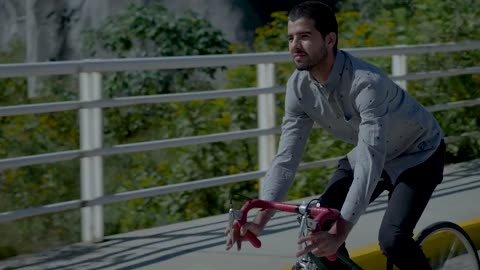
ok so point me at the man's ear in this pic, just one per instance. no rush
(331, 39)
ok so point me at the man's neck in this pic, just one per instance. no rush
(321, 72)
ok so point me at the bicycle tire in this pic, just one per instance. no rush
(448, 234)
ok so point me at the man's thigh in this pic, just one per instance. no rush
(406, 204)
(339, 185)
(412, 192)
(337, 188)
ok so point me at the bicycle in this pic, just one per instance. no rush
(461, 251)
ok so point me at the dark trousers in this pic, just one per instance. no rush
(407, 201)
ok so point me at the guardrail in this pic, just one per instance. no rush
(90, 106)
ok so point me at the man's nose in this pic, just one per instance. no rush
(294, 44)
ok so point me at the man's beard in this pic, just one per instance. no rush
(311, 62)
(305, 66)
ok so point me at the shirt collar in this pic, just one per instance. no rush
(335, 75)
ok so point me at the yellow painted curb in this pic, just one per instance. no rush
(371, 258)
(472, 227)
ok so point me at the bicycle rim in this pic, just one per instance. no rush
(448, 247)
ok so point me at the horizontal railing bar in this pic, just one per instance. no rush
(134, 147)
(40, 69)
(39, 108)
(168, 98)
(185, 141)
(41, 210)
(183, 62)
(199, 61)
(437, 74)
(136, 64)
(452, 139)
(189, 186)
(415, 49)
(452, 105)
(39, 159)
(125, 101)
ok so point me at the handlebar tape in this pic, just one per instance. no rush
(252, 238)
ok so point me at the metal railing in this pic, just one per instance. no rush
(90, 107)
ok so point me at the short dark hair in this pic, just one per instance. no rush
(322, 15)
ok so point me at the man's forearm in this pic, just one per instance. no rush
(343, 228)
(263, 216)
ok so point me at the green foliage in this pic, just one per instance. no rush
(32, 186)
(12, 90)
(153, 31)
(14, 52)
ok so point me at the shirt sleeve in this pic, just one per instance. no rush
(296, 126)
(369, 154)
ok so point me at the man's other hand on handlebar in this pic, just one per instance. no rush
(323, 243)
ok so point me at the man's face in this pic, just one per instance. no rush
(306, 44)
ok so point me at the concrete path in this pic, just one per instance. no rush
(199, 244)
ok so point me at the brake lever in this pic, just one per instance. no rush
(233, 214)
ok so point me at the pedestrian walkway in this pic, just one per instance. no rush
(199, 244)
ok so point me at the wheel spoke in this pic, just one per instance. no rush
(453, 249)
(448, 247)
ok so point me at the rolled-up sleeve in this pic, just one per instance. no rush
(369, 154)
(296, 127)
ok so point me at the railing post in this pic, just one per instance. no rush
(31, 38)
(266, 115)
(399, 68)
(91, 168)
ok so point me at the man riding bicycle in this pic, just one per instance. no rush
(398, 144)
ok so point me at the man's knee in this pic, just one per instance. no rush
(392, 240)
(385, 240)
(401, 249)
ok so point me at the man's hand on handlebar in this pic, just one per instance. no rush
(237, 233)
(322, 244)
(325, 243)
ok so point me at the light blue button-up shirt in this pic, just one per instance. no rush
(358, 104)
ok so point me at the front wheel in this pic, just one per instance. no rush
(448, 247)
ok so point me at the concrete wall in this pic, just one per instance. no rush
(53, 27)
